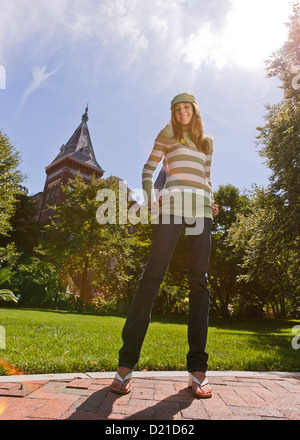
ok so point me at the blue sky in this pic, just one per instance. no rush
(128, 59)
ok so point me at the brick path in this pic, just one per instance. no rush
(154, 396)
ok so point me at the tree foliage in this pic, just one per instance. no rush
(91, 258)
(269, 234)
(270, 265)
(224, 262)
(279, 138)
(10, 181)
(6, 294)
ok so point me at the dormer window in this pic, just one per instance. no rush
(85, 151)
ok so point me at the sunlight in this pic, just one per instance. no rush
(2, 408)
(9, 368)
(255, 29)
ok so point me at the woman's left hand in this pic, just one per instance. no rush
(215, 208)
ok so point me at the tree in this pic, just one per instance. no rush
(224, 262)
(6, 294)
(10, 181)
(10, 190)
(24, 230)
(279, 142)
(91, 258)
(279, 138)
(35, 281)
(269, 266)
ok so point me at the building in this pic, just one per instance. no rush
(76, 155)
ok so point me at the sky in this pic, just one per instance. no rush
(127, 59)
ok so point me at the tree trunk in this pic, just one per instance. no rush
(84, 290)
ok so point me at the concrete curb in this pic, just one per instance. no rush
(146, 374)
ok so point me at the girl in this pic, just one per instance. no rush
(186, 202)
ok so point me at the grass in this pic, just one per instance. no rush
(40, 341)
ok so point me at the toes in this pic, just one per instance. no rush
(126, 385)
(117, 384)
(206, 389)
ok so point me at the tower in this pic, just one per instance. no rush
(76, 155)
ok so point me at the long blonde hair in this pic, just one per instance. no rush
(196, 129)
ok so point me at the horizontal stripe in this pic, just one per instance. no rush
(185, 173)
(187, 177)
(148, 171)
(185, 167)
(186, 196)
(187, 184)
(186, 158)
(157, 153)
(151, 163)
(188, 154)
(184, 148)
(155, 158)
(160, 146)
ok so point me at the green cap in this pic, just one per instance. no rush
(183, 97)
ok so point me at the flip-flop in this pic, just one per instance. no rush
(201, 395)
(121, 390)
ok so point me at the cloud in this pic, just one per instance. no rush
(251, 31)
(39, 77)
(157, 41)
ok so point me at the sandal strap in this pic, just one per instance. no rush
(202, 384)
(118, 377)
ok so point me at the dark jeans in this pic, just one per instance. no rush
(165, 238)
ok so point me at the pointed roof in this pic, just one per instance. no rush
(79, 146)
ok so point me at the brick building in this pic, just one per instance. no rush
(76, 155)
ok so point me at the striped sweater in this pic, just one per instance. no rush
(188, 188)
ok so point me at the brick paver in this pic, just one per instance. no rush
(154, 396)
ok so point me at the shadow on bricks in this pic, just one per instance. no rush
(104, 405)
(169, 408)
(98, 405)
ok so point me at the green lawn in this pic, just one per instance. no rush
(39, 341)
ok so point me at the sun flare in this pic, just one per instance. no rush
(253, 29)
(256, 28)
